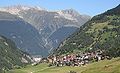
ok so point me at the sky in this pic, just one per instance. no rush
(88, 7)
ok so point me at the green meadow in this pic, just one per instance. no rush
(105, 66)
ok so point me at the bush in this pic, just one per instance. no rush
(72, 72)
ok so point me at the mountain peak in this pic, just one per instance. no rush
(15, 9)
(71, 12)
(23, 7)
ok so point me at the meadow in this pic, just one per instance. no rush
(105, 66)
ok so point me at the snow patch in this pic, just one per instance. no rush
(67, 16)
(17, 8)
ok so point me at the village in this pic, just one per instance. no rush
(79, 59)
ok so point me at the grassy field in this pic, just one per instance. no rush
(106, 66)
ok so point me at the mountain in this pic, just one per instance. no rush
(101, 32)
(22, 33)
(44, 27)
(11, 56)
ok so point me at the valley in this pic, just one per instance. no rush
(38, 40)
(36, 30)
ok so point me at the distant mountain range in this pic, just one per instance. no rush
(102, 32)
(36, 30)
(10, 56)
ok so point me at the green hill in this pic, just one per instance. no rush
(101, 32)
(105, 66)
(10, 56)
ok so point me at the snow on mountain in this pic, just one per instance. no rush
(17, 8)
(69, 14)
(51, 27)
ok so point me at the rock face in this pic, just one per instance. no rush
(49, 28)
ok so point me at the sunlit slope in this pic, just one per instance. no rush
(101, 32)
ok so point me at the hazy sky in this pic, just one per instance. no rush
(90, 7)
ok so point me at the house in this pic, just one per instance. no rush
(36, 59)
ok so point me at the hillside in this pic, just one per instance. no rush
(10, 56)
(42, 26)
(106, 66)
(26, 37)
(101, 32)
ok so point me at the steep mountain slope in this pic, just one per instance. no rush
(10, 56)
(101, 32)
(47, 24)
(22, 33)
(50, 22)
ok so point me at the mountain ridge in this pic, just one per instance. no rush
(100, 33)
(46, 23)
